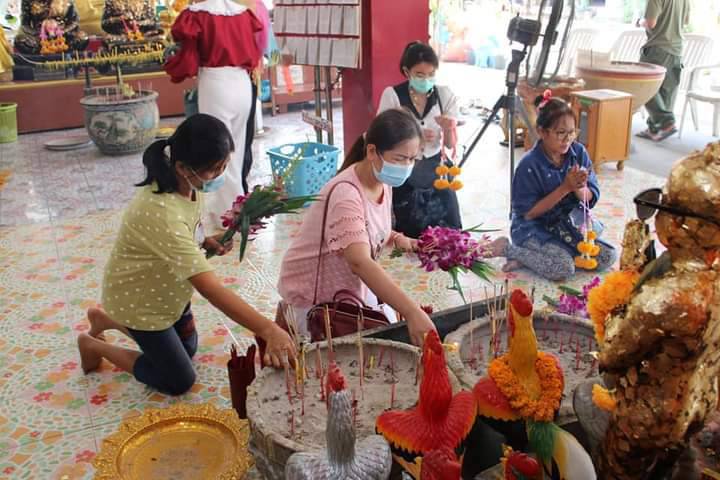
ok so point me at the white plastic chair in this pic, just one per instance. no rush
(697, 51)
(579, 38)
(627, 46)
(696, 93)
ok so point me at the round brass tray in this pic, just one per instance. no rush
(180, 442)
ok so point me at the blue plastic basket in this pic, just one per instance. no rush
(311, 166)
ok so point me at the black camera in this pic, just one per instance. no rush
(523, 30)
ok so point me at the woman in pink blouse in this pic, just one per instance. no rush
(357, 227)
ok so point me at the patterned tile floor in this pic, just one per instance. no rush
(58, 218)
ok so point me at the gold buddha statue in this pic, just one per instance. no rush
(134, 19)
(38, 14)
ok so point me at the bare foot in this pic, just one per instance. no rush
(497, 247)
(511, 265)
(99, 322)
(89, 359)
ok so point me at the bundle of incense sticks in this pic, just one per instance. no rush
(361, 364)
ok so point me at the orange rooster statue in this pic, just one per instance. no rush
(343, 459)
(439, 421)
(527, 385)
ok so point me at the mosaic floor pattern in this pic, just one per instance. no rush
(58, 216)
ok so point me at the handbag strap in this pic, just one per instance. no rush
(322, 231)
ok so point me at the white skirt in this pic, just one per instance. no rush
(225, 93)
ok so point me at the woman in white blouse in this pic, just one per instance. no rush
(417, 204)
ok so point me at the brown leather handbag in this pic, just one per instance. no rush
(346, 311)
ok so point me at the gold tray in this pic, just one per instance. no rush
(181, 442)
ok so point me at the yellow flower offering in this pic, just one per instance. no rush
(455, 171)
(441, 184)
(441, 170)
(455, 185)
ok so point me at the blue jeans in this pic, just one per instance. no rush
(166, 360)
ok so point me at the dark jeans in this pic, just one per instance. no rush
(417, 204)
(660, 107)
(166, 360)
(249, 136)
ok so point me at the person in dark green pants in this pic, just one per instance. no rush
(664, 22)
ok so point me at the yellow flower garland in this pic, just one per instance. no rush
(613, 292)
(603, 398)
(551, 384)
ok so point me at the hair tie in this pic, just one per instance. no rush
(547, 96)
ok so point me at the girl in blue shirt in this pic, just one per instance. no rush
(549, 186)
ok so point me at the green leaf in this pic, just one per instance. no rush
(396, 253)
(550, 301)
(245, 234)
(571, 291)
(477, 229)
(456, 283)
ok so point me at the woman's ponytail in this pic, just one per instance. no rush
(159, 168)
(356, 153)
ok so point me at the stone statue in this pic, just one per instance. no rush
(39, 15)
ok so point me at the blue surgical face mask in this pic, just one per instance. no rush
(208, 186)
(392, 174)
(422, 85)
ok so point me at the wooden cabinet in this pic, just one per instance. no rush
(303, 87)
(604, 119)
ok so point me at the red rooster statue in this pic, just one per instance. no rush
(343, 459)
(520, 466)
(440, 465)
(440, 420)
(525, 384)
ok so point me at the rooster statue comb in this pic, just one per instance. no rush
(344, 458)
(440, 420)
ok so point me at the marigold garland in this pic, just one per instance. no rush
(603, 398)
(551, 385)
(614, 291)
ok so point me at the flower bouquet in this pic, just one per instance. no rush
(455, 251)
(249, 212)
(572, 301)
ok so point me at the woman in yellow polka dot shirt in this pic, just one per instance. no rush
(157, 263)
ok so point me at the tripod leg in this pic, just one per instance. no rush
(496, 108)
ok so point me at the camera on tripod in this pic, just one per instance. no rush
(524, 30)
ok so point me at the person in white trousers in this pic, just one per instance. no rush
(217, 44)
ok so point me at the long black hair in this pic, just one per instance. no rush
(201, 142)
(389, 129)
(551, 112)
(417, 52)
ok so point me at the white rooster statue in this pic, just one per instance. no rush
(343, 459)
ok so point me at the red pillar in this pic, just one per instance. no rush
(387, 26)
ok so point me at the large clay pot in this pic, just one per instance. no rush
(118, 125)
(641, 80)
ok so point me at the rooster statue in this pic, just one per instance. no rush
(440, 465)
(440, 420)
(344, 459)
(527, 385)
(520, 466)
